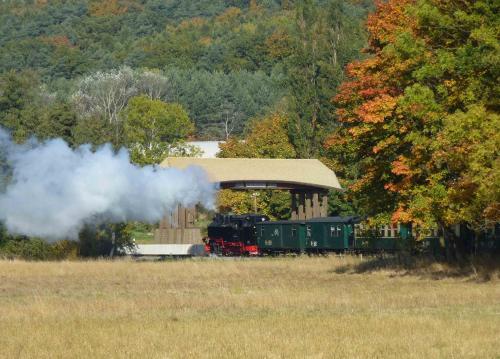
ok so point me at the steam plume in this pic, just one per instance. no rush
(55, 190)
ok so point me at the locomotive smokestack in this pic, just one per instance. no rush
(54, 190)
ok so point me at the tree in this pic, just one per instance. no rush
(275, 204)
(220, 103)
(268, 138)
(153, 84)
(467, 154)
(152, 127)
(28, 109)
(18, 103)
(58, 121)
(430, 84)
(94, 131)
(105, 94)
(324, 39)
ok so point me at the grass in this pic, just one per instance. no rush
(142, 237)
(264, 308)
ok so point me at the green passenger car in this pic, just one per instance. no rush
(281, 237)
(375, 240)
(330, 234)
(378, 244)
(378, 240)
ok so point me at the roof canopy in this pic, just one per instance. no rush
(258, 173)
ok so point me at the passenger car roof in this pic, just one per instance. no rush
(346, 219)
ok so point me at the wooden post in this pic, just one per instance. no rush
(295, 214)
(324, 206)
(316, 208)
(175, 217)
(302, 214)
(192, 218)
(309, 211)
(182, 216)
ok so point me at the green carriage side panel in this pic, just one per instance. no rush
(330, 233)
(281, 236)
(362, 243)
(349, 236)
(261, 234)
(432, 246)
(294, 236)
(388, 244)
(269, 236)
(405, 231)
(316, 238)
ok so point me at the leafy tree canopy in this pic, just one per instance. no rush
(152, 127)
(267, 138)
(428, 93)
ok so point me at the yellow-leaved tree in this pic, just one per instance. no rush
(266, 138)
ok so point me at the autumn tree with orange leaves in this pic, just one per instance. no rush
(418, 117)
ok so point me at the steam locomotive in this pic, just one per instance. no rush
(234, 235)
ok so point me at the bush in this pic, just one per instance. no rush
(37, 249)
(97, 241)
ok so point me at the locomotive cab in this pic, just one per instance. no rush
(234, 234)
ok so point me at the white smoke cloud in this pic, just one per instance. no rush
(55, 190)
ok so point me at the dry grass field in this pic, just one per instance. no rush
(263, 308)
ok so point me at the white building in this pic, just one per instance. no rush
(209, 149)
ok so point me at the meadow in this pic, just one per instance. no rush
(264, 308)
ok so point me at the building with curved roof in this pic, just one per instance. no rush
(308, 180)
(262, 173)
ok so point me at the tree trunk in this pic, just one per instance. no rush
(449, 242)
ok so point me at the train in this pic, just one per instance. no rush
(257, 235)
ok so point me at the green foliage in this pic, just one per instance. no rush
(37, 249)
(267, 138)
(104, 240)
(18, 103)
(275, 204)
(226, 61)
(94, 131)
(58, 121)
(221, 103)
(341, 204)
(467, 156)
(26, 109)
(152, 127)
(93, 242)
(142, 233)
(324, 39)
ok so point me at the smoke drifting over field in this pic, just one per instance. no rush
(54, 190)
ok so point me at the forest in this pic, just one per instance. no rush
(398, 97)
(225, 62)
